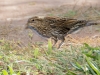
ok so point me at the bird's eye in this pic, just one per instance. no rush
(33, 20)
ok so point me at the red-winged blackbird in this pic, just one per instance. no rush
(55, 27)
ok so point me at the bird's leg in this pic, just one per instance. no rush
(55, 40)
(62, 40)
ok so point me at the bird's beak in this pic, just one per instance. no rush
(26, 26)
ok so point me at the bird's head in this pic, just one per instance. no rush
(32, 22)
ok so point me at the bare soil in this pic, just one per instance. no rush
(14, 16)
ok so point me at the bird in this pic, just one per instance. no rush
(56, 28)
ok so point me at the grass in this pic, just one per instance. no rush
(91, 60)
(72, 60)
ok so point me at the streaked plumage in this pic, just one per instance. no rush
(55, 27)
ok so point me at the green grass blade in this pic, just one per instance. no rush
(77, 66)
(49, 46)
(4, 72)
(93, 66)
(36, 52)
(11, 70)
(18, 73)
(91, 70)
(71, 73)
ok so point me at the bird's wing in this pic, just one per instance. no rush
(62, 22)
(70, 23)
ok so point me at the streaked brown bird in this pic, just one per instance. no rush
(55, 27)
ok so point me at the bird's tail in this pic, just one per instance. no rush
(82, 23)
(87, 22)
(92, 23)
